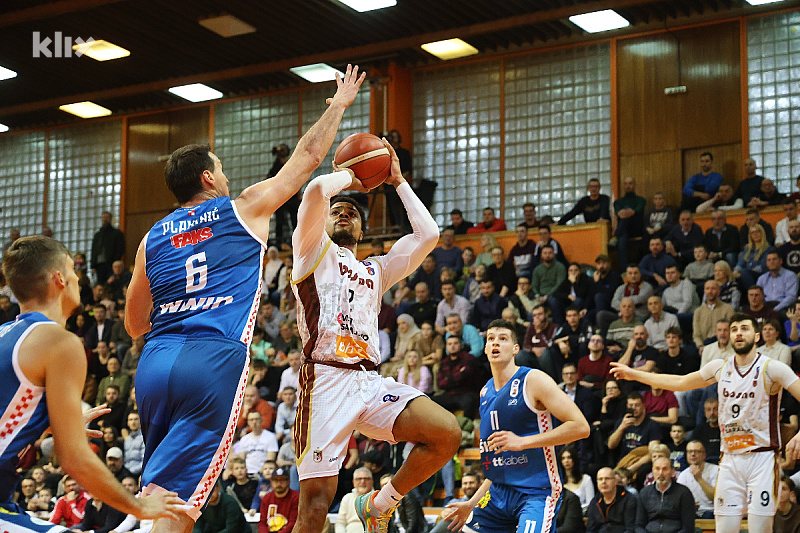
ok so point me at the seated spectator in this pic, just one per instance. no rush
(538, 338)
(613, 509)
(468, 257)
(458, 225)
(595, 368)
(472, 288)
(110, 439)
(792, 326)
(120, 340)
(606, 282)
(682, 239)
(133, 445)
(620, 331)
(290, 376)
(570, 517)
(773, 347)
(8, 309)
(787, 516)
(638, 354)
(408, 334)
(675, 360)
(286, 341)
(490, 223)
(701, 186)
(545, 240)
(624, 479)
(510, 314)
(594, 207)
(252, 402)
(768, 196)
(116, 465)
(677, 446)
(414, 373)
(116, 377)
(429, 346)
(644, 474)
(665, 506)
(572, 337)
(790, 250)
(100, 517)
(423, 309)
(756, 307)
(574, 291)
(447, 254)
(548, 275)
(471, 338)
(279, 506)
(779, 284)
(708, 432)
(582, 396)
(728, 289)
(522, 254)
(241, 487)
(628, 220)
(704, 323)
(751, 182)
(634, 429)
(782, 227)
(488, 307)
(700, 478)
(257, 446)
(701, 269)
(722, 347)
(429, 274)
(753, 217)
(116, 418)
(502, 273)
(70, 507)
(659, 323)
(661, 406)
(575, 480)
(721, 239)
(636, 290)
(287, 413)
(612, 408)
(470, 481)
(524, 299)
(653, 265)
(456, 380)
(680, 296)
(529, 219)
(724, 200)
(488, 243)
(660, 219)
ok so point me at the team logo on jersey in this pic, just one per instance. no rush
(514, 388)
(191, 237)
(317, 456)
(390, 398)
(340, 252)
(484, 501)
(350, 347)
(484, 391)
(755, 377)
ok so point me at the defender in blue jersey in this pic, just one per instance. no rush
(524, 415)
(195, 292)
(42, 372)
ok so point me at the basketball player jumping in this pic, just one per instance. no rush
(42, 373)
(339, 299)
(524, 416)
(195, 289)
(750, 386)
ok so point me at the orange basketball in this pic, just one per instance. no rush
(368, 158)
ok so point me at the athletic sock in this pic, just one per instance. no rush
(387, 498)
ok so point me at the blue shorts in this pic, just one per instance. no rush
(14, 520)
(510, 511)
(189, 391)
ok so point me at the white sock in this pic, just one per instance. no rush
(387, 498)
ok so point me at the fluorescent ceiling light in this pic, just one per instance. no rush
(598, 21)
(761, 2)
(196, 92)
(450, 49)
(7, 73)
(101, 50)
(3, 128)
(227, 26)
(85, 109)
(316, 73)
(368, 5)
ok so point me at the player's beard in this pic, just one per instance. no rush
(743, 350)
(342, 237)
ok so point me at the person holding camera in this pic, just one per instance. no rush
(284, 228)
(635, 429)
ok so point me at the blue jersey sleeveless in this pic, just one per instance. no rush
(23, 410)
(204, 268)
(528, 471)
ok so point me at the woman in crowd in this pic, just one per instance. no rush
(728, 291)
(414, 373)
(579, 483)
(753, 258)
(488, 242)
(408, 334)
(272, 273)
(472, 290)
(773, 347)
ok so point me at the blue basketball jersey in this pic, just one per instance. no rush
(204, 268)
(528, 471)
(24, 411)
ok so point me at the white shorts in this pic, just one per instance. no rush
(335, 401)
(748, 478)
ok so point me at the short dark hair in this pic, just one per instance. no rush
(741, 317)
(530, 204)
(572, 308)
(456, 212)
(184, 168)
(447, 283)
(258, 364)
(635, 395)
(504, 324)
(350, 200)
(674, 330)
(489, 209)
(28, 263)
(754, 288)
(549, 246)
(707, 154)
(545, 226)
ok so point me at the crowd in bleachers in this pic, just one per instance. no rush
(665, 308)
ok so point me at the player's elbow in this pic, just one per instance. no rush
(582, 429)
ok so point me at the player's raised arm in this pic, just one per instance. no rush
(408, 252)
(694, 380)
(139, 300)
(258, 202)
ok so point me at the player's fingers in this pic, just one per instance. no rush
(354, 73)
(361, 78)
(329, 100)
(94, 433)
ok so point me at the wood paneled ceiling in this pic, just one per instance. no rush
(169, 47)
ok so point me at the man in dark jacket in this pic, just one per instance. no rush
(722, 239)
(108, 245)
(99, 517)
(221, 515)
(666, 506)
(613, 510)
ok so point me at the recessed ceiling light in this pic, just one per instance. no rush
(196, 92)
(101, 50)
(316, 73)
(598, 21)
(450, 49)
(85, 109)
(227, 26)
(7, 73)
(368, 5)
(761, 2)
(3, 128)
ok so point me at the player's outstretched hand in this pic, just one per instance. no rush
(160, 505)
(505, 441)
(622, 372)
(347, 87)
(396, 176)
(93, 413)
(458, 516)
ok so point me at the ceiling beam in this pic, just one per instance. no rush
(54, 9)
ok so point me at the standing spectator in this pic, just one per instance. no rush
(665, 506)
(594, 207)
(629, 220)
(721, 239)
(658, 324)
(488, 307)
(779, 284)
(704, 324)
(682, 239)
(700, 478)
(448, 254)
(108, 245)
(134, 445)
(101, 329)
(752, 217)
(457, 222)
(750, 185)
(724, 200)
(545, 240)
(660, 219)
(613, 510)
(782, 227)
(790, 250)
(522, 254)
(529, 219)
(490, 223)
(221, 515)
(502, 273)
(257, 446)
(456, 380)
(768, 196)
(702, 185)
(654, 265)
(753, 258)
(547, 275)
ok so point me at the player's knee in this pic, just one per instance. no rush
(451, 435)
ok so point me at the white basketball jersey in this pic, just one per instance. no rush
(749, 407)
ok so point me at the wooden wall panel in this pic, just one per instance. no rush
(654, 172)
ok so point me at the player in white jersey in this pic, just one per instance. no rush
(338, 300)
(750, 386)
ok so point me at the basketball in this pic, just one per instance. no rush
(367, 156)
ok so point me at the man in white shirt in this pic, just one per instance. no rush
(700, 478)
(287, 412)
(257, 446)
(291, 376)
(451, 303)
(658, 323)
(782, 227)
